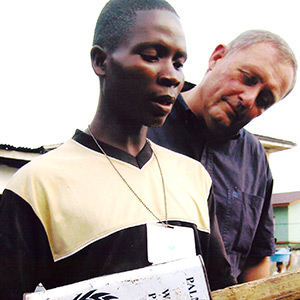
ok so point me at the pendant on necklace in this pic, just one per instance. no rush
(168, 243)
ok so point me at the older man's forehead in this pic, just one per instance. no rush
(265, 61)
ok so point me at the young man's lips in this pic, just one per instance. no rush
(164, 103)
(165, 100)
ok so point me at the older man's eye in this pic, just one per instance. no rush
(264, 100)
(249, 80)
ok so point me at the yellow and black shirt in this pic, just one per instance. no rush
(67, 216)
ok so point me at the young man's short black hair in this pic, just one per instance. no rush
(117, 18)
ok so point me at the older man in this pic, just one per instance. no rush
(244, 79)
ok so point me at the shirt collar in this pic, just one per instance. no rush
(139, 161)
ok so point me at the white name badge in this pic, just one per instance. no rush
(169, 243)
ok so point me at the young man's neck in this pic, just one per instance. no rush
(124, 137)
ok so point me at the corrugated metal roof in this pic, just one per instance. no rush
(8, 152)
(40, 150)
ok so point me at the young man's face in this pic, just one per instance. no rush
(144, 76)
(241, 86)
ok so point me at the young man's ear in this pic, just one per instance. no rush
(98, 57)
(218, 53)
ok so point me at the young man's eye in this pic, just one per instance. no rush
(249, 80)
(149, 57)
(178, 65)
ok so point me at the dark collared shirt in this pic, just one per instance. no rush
(242, 181)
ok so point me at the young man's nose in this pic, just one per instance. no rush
(169, 75)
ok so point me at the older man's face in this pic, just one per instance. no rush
(241, 86)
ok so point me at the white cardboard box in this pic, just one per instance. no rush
(179, 280)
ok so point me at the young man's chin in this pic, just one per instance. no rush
(158, 122)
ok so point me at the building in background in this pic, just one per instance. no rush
(272, 145)
(286, 207)
(13, 158)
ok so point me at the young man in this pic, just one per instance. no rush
(244, 79)
(84, 209)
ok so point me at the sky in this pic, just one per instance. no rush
(48, 88)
